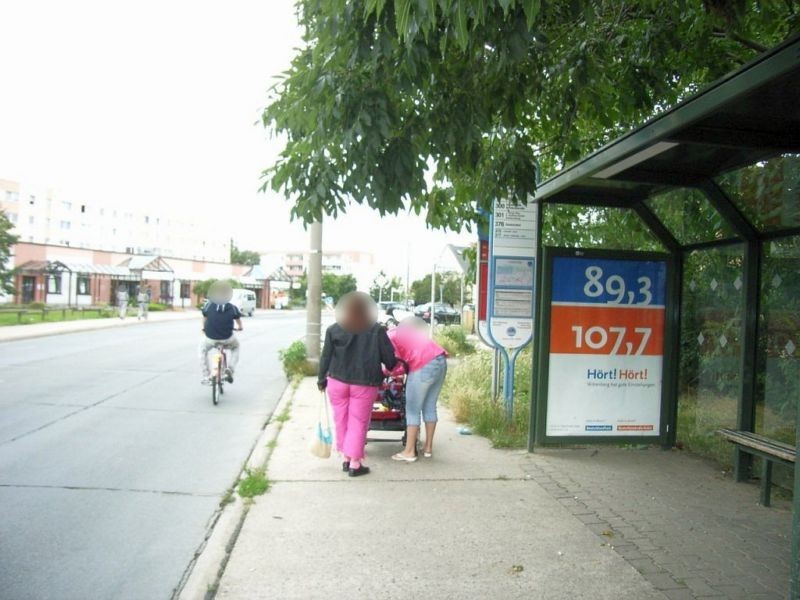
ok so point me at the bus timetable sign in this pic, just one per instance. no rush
(512, 266)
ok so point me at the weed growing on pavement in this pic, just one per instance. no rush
(467, 391)
(226, 499)
(284, 416)
(255, 484)
(272, 444)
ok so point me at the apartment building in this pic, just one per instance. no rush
(360, 265)
(42, 216)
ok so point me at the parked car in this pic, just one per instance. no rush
(391, 313)
(444, 314)
(245, 301)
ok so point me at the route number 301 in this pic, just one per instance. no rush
(614, 286)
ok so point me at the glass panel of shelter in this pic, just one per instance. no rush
(767, 192)
(573, 226)
(711, 351)
(689, 216)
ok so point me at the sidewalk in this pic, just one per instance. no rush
(21, 332)
(472, 522)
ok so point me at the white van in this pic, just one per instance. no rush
(245, 301)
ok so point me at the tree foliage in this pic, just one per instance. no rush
(382, 286)
(336, 286)
(7, 241)
(244, 257)
(475, 93)
(448, 289)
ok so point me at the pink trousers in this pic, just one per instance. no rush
(352, 408)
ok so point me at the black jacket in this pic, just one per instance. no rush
(356, 357)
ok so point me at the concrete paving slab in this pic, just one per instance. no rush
(466, 524)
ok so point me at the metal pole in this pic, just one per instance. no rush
(314, 302)
(433, 298)
(408, 270)
(795, 580)
(495, 374)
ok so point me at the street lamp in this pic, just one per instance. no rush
(381, 281)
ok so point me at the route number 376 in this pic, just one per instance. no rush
(614, 286)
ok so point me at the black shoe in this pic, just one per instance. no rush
(346, 466)
(362, 470)
(228, 375)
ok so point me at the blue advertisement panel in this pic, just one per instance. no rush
(607, 331)
(608, 281)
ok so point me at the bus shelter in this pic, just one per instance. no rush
(686, 232)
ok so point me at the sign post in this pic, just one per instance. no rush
(606, 326)
(512, 266)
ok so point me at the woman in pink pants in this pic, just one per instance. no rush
(350, 368)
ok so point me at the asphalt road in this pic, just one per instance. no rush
(113, 459)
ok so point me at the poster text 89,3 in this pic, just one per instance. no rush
(616, 289)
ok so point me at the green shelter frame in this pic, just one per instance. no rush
(750, 117)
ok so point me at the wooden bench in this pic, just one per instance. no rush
(769, 450)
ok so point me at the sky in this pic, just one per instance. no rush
(156, 104)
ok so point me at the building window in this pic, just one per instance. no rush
(54, 284)
(11, 217)
(12, 196)
(32, 199)
(65, 224)
(147, 219)
(83, 208)
(30, 220)
(186, 290)
(66, 205)
(83, 285)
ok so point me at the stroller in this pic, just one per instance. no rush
(389, 408)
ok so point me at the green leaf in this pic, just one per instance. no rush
(531, 9)
(402, 15)
(462, 34)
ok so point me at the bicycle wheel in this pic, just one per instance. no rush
(216, 387)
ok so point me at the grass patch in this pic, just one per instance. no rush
(467, 391)
(272, 444)
(698, 421)
(51, 316)
(453, 338)
(255, 484)
(284, 416)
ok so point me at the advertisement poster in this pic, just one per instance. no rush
(607, 324)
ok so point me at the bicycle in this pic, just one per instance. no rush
(219, 364)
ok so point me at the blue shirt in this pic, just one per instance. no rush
(219, 320)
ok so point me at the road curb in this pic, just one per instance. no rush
(204, 572)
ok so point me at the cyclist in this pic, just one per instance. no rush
(219, 316)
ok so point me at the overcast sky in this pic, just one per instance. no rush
(154, 102)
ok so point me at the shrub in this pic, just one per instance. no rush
(36, 306)
(153, 307)
(453, 338)
(294, 359)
